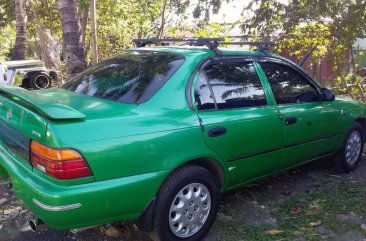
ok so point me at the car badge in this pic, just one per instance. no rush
(37, 134)
(9, 115)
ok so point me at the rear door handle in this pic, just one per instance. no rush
(217, 131)
(290, 120)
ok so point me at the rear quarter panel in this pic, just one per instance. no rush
(158, 143)
(161, 134)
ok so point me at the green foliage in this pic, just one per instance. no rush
(6, 12)
(331, 26)
(204, 8)
(7, 28)
(211, 29)
(121, 21)
(355, 84)
(7, 38)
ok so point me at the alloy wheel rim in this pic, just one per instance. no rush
(189, 210)
(41, 82)
(353, 147)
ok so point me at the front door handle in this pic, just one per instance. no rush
(290, 120)
(216, 131)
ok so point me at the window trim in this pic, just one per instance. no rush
(227, 59)
(295, 68)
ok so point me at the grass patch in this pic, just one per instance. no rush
(303, 215)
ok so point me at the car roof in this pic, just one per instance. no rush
(192, 51)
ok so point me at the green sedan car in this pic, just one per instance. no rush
(156, 134)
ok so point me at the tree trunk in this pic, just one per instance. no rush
(42, 40)
(19, 51)
(353, 61)
(74, 53)
(162, 22)
(93, 32)
(84, 22)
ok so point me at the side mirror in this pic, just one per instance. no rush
(327, 94)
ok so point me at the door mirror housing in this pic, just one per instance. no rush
(327, 94)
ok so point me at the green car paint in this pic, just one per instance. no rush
(132, 148)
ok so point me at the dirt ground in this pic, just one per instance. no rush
(308, 203)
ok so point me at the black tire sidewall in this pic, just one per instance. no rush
(346, 167)
(33, 80)
(196, 174)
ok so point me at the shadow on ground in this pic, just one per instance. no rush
(308, 203)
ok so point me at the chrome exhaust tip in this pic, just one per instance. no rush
(36, 225)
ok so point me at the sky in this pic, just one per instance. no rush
(231, 12)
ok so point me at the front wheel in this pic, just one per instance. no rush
(349, 156)
(186, 206)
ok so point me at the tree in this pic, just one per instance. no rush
(84, 20)
(93, 32)
(329, 26)
(74, 53)
(19, 51)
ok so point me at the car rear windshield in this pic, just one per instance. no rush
(131, 77)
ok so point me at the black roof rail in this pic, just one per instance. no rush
(263, 46)
(211, 43)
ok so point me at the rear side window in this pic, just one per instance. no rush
(289, 86)
(233, 85)
(131, 77)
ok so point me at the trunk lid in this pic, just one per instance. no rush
(30, 111)
(59, 104)
(20, 120)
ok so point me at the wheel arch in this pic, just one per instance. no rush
(144, 222)
(212, 165)
(362, 122)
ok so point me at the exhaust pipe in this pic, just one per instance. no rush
(34, 225)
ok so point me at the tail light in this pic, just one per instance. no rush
(63, 164)
(5, 77)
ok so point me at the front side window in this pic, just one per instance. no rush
(233, 84)
(131, 77)
(288, 85)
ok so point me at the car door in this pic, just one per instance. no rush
(238, 121)
(311, 127)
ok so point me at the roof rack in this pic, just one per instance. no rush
(211, 43)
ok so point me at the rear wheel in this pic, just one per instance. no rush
(186, 206)
(349, 156)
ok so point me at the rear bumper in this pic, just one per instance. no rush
(69, 207)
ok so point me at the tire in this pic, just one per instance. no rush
(349, 156)
(40, 81)
(185, 182)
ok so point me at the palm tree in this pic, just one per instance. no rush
(74, 53)
(19, 51)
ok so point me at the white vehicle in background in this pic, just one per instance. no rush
(29, 74)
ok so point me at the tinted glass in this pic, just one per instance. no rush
(288, 85)
(130, 77)
(235, 85)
